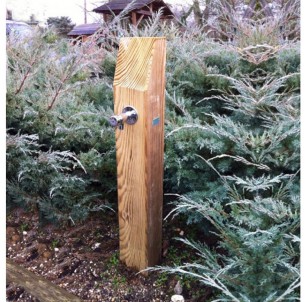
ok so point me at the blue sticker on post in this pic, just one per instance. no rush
(155, 121)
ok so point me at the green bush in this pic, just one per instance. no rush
(233, 160)
(63, 105)
(231, 147)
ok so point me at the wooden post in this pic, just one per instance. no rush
(140, 82)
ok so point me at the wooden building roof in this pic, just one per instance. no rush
(117, 6)
(84, 29)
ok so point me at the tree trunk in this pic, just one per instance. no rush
(37, 286)
(197, 13)
(206, 12)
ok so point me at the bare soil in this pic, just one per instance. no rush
(84, 260)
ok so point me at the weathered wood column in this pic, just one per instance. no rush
(140, 83)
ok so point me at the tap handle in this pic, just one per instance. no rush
(129, 116)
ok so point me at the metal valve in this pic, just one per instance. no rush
(129, 116)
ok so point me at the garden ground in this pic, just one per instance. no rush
(84, 260)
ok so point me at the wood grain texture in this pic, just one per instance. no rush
(140, 82)
(38, 287)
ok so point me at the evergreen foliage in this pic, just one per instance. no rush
(231, 142)
(63, 25)
(57, 111)
(234, 151)
(257, 258)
